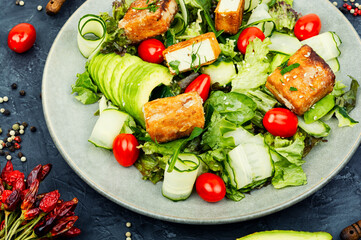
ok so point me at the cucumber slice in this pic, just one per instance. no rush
(221, 72)
(250, 161)
(325, 45)
(316, 129)
(320, 109)
(90, 25)
(261, 19)
(178, 184)
(283, 43)
(250, 5)
(334, 64)
(344, 120)
(107, 127)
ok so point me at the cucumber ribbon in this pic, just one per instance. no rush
(91, 34)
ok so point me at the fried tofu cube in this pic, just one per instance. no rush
(229, 14)
(301, 87)
(148, 18)
(170, 118)
(193, 53)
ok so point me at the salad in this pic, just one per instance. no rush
(227, 96)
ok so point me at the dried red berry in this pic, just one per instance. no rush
(345, 5)
(349, 7)
(17, 139)
(17, 145)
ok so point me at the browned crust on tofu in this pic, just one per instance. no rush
(230, 21)
(170, 118)
(139, 25)
(313, 80)
(214, 44)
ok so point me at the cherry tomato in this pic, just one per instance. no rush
(201, 85)
(151, 50)
(125, 149)
(21, 37)
(307, 26)
(210, 187)
(280, 122)
(248, 35)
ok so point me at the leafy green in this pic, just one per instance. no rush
(151, 167)
(287, 174)
(284, 16)
(338, 89)
(214, 158)
(193, 29)
(120, 7)
(233, 194)
(116, 40)
(85, 88)
(290, 149)
(228, 48)
(235, 107)
(255, 67)
(348, 99)
(264, 101)
(213, 137)
(273, 2)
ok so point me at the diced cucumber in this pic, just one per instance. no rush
(278, 59)
(107, 127)
(250, 161)
(221, 72)
(284, 43)
(325, 45)
(261, 19)
(319, 109)
(334, 64)
(316, 129)
(344, 120)
(178, 184)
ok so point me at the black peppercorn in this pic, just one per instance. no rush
(12, 149)
(33, 129)
(20, 154)
(25, 124)
(8, 144)
(14, 86)
(22, 93)
(2, 153)
(7, 153)
(6, 112)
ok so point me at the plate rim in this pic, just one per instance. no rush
(170, 218)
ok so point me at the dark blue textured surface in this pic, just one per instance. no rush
(331, 209)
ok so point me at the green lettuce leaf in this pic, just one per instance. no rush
(234, 194)
(85, 88)
(214, 158)
(338, 89)
(235, 107)
(284, 16)
(228, 48)
(287, 174)
(254, 69)
(151, 166)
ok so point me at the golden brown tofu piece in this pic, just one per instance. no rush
(229, 14)
(148, 18)
(170, 118)
(204, 48)
(303, 86)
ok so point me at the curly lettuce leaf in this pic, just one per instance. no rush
(85, 88)
(254, 69)
(152, 167)
(284, 16)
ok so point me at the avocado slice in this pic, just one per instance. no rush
(94, 68)
(287, 235)
(101, 69)
(107, 75)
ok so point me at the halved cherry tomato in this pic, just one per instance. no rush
(307, 26)
(21, 37)
(280, 122)
(151, 50)
(125, 149)
(201, 85)
(210, 187)
(248, 35)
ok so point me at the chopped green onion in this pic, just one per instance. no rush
(289, 68)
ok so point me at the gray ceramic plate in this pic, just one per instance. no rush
(70, 124)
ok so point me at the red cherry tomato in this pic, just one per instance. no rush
(307, 26)
(210, 187)
(247, 36)
(151, 50)
(21, 37)
(280, 122)
(201, 85)
(125, 149)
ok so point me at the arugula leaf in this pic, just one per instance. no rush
(85, 88)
